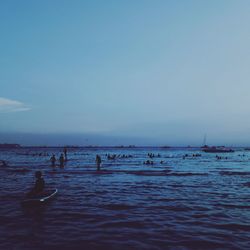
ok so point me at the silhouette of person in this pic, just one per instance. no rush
(39, 184)
(65, 154)
(61, 160)
(98, 161)
(53, 160)
(3, 163)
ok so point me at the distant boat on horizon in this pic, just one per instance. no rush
(214, 149)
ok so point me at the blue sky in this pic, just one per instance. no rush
(169, 71)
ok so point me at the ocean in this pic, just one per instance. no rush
(192, 202)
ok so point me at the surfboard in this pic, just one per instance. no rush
(42, 198)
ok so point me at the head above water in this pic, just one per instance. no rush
(38, 174)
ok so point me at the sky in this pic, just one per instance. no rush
(141, 71)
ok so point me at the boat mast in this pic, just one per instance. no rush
(205, 140)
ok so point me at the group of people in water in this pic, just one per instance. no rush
(150, 162)
(114, 156)
(151, 155)
(193, 156)
(62, 159)
(220, 157)
(40, 183)
(40, 154)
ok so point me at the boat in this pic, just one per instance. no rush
(41, 198)
(220, 149)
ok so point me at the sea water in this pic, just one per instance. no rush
(192, 202)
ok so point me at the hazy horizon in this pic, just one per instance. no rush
(125, 72)
(77, 139)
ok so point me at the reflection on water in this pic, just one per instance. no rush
(176, 203)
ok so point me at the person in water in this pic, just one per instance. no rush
(98, 161)
(3, 163)
(61, 160)
(65, 153)
(39, 185)
(53, 160)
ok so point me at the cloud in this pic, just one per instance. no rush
(8, 105)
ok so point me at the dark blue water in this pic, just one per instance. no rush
(191, 203)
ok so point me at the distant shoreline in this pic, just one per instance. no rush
(18, 146)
